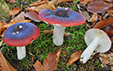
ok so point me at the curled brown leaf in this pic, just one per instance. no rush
(74, 57)
(49, 5)
(104, 23)
(5, 64)
(50, 62)
(15, 11)
(109, 29)
(1, 26)
(20, 17)
(93, 18)
(32, 15)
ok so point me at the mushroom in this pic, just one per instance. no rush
(61, 18)
(96, 40)
(20, 35)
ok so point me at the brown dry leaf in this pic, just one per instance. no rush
(2, 33)
(15, 11)
(38, 3)
(32, 15)
(111, 39)
(74, 57)
(110, 12)
(97, 6)
(38, 66)
(11, 1)
(49, 5)
(107, 0)
(85, 1)
(51, 32)
(50, 62)
(94, 18)
(11, 23)
(20, 17)
(60, 1)
(26, 21)
(109, 29)
(1, 43)
(1, 26)
(7, 25)
(103, 23)
(5, 66)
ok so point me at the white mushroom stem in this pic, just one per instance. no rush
(21, 52)
(58, 35)
(89, 50)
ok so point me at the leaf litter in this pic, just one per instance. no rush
(96, 15)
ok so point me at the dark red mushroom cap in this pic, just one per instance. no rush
(20, 34)
(62, 16)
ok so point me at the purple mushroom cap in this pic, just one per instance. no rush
(20, 34)
(62, 16)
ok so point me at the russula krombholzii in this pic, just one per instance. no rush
(20, 35)
(61, 18)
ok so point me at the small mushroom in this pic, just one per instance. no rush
(96, 40)
(20, 35)
(61, 18)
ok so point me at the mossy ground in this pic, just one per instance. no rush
(43, 45)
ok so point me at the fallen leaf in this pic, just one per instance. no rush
(111, 39)
(60, 1)
(85, 1)
(11, 1)
(50, 62)
(51, 32)
(1, 43)
(20, 17)
(49, 5)
(74, 57)
(38, 66)
(1, 26)
(93, 18)
(110, 12)
(2, 33)
(104, 23)
(32, 15)
(14, 11)
(38, 3)
(7, 25)
(105, 16)
(107, 0)
(108, 29)
(97, 6)
(11, 23)
(26, 21)
(5, 66)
